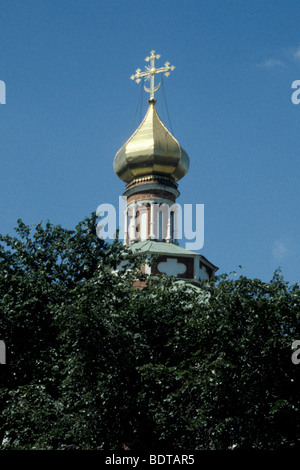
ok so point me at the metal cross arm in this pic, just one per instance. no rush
(150, 72)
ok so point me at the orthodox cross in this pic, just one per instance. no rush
(150, 72)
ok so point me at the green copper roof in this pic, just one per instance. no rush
(162, 248)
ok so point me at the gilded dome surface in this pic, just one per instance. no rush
(151, 150)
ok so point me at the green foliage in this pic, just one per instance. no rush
(93, 363)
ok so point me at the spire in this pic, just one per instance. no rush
(150, 72)
(152, 149)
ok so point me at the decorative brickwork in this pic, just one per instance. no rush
(152, 179)
(154, 194)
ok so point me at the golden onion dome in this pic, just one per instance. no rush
(151, 150)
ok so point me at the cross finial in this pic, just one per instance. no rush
(150, 72)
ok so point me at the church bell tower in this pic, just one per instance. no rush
(151, 163)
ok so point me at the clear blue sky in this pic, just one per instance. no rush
(70, 106)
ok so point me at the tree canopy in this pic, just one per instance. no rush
(93, 363)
